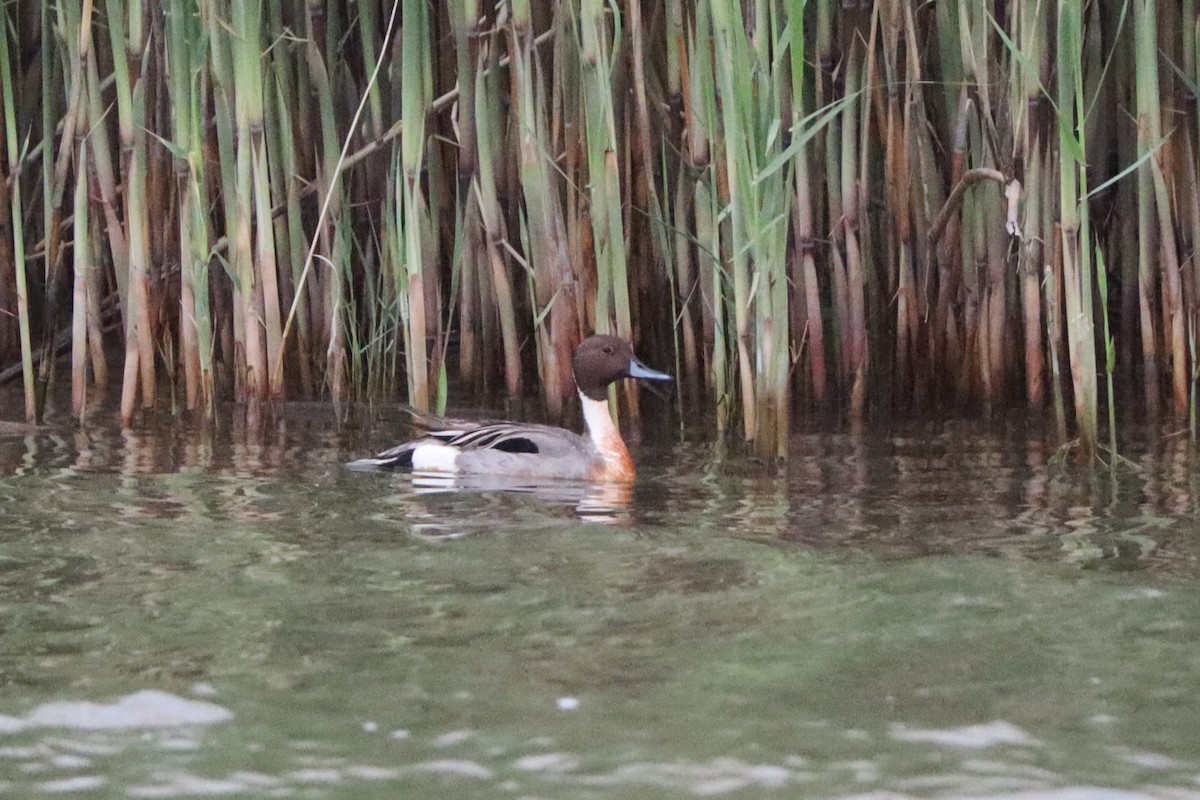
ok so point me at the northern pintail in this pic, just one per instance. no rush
(522, 450)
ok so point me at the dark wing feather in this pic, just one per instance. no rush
(506, 437)
(517, 444)
(398, 457)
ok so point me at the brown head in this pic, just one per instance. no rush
(600, 360)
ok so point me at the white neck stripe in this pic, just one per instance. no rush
(600, 425)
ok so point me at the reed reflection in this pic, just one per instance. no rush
(922, 489)
(949, 488)
(168, 469)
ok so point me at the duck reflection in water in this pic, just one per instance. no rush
(604, 503)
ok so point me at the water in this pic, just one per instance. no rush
(932, 611)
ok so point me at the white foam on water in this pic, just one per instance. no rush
(315, 776)
(548, 762)
(717, 777)
(184, 785)
(1078, 793)
(369, 773)
(70, 761)
(79, 783)
(254, 779)
(1065, 793)
(1145, 593)
(146, 709)
(459, 768)
(970, 737)
(452, 738)
(1150, 760)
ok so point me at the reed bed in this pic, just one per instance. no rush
(883, 207)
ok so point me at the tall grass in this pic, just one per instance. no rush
(801, 206)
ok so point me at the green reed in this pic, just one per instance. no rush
(1075, 231)
(413, 223)
(700, 133)
(15, 213)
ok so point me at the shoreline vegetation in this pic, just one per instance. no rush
(873, 207)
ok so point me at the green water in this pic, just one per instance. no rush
(941, 611)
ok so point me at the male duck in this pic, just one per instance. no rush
(537, 451)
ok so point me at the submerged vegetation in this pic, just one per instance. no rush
(852, 205)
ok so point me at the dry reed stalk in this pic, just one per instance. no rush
(804, 212)
(75, 24)
(1146, 243)
(326, 285)
(849, 229)
(251, 115)
(928, 196)
(1025, 109)
(104, 174)
(464, 19)
(291, 144)
(127, 33)
(485, 195)
(548, 267)
(368, 24)
(1053, 283)
(703, 151)
(897, 170)
(1190, 277)
(95, 328)
(248, 290)
(1032, 262)
(1110, 351)
(9, 334)
(189, 350)
(82, 266)
(232, 245)
(681, 270)
(828, 78)
(1149, 107)
(613, 302)
(975, 219)
(694, 146)
(644, 187)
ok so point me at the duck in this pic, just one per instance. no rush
(531, 451)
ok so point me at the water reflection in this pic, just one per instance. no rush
(924, 489)
(948, 488)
